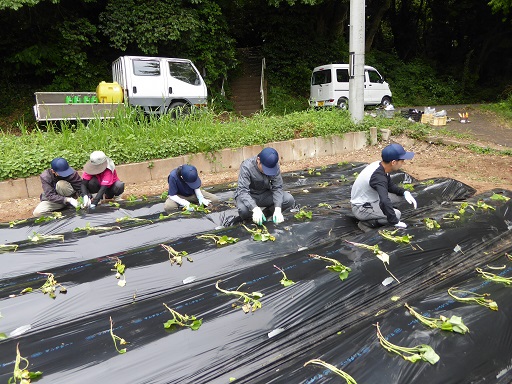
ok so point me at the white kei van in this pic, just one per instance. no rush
(329, 87)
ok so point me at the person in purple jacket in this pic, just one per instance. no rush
(61, 186)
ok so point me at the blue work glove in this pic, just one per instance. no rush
(257, 216)
(277, 217)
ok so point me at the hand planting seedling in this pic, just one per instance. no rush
(116, 338)
(260, 234)
(499, 197)
(390, 235)
(175, 256)
(45, 219)
(420, 352)
(431, 223)
(20, 372)
(194, 208)
(250, 300)
(119, 269)
(39, 237)
(88, 228)
(13, 223)
(493, 277)
(284, 281)
(133, 219)
(452, 324)
(219, 240)
(303, 215)
(50, 286)
(383, 256)
(335, 267)
(8, 247)
(182, 320)
(349, 379)
(479, 299)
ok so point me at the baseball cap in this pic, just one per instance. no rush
(396, 152)
(61, 166)
(269, 159)
(190, 176)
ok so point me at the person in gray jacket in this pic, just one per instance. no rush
(374, 193)
(260, 189)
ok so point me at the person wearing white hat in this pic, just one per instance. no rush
(100, 177)
(260, 188)
(61, 185)
(184, 188)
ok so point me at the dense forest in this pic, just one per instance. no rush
(429, 50)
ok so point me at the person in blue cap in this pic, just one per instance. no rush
(259, 192)
(184, 188)
(374, 193)
(61, 186)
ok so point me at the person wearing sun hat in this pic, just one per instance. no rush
(184, 188)
(374, 193)
(260, 188)
(61, 185)
(100, 177)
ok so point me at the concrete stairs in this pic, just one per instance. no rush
(245, 88)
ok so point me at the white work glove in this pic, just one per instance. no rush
(86, 201)
(188, 207)
(201, 199)
(71, 201)
(257, 216)
(277, 217)
(92, 206)
(410, 199)
(401, 224)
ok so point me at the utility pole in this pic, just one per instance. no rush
(356, 60)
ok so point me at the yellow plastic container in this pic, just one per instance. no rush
(109, 92)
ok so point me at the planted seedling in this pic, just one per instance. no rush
(2, 335)
(164, 195)
(407, 186)
(324, 205)
(499, 197)
(45, 219)
(312, 171)
(39, 237)
(131, 198)
(342, 163)
(8, 247)
(119, 269)
(323, 185)
(335, 267)
(390, 235)
(250, 300)
(420, 352)
(163, 217)
(451, 216)
(349, 379)
(493, 277)
(480, 204)
(431, 223)
(232, 185)
(480, 299)
(134, 220)
(116, 338)
(176, 256)
(452, 324)
(383, 256)
(428, 182)
(182, 320)
(21, 372)
(88, 228)
(303, 215)
(343, 179)
(284, 281)
(13, 223)
(260, 234)
(50, 286)
(219, 240)
(355, 174)
(114, 204)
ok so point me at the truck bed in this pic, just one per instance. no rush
(52, 106)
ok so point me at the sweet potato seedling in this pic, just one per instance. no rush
(303, 215)
(383, 256)
(13, 223)
(219, 240)
(284, 281)
(471, 297)
(21, 373)
(452, 324)
(50, 286)
(40, 238)
(116, 338)
(260, 234)
(499, 197)
(494, 277)
(250, 300)
(335, 267)
(133, 220)
(182, 320)
(51, 217)
(176, 256)
(119, 269)
(390, 235)
(431, 223)
(8, 248)
(348, 379)
(88, 228)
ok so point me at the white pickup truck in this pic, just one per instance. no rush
(158, 85)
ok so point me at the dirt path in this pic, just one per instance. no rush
(482, 172)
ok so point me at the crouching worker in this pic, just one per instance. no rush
(61, 186)
(373, 193)
(260, 189)
(184, 188)
(100, 178)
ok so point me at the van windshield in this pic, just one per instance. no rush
(146, 68)
(184, 71)
(321, 77)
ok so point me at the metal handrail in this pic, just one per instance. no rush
(262, 84)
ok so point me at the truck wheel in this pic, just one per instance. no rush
(342, 103)
(179, 109)
(386, 100)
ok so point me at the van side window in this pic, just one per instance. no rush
(321, 77)
(374, 77)
(342, 75)
(146, 68)
(185, 72)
